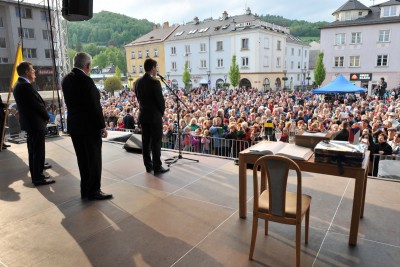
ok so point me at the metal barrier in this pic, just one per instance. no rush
(385, 166)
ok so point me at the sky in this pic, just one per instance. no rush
(182, 11)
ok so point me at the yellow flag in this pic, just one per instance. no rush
(18, 59)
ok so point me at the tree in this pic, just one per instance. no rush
(319, 72)
(112, 84)
(186, 76)
(234, 73)
(79, 47)
(118, 73)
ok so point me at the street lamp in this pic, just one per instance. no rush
(225, 76)
(168, 78)
(308, 78)
(284, 79)
(304, 78)
(209, 81)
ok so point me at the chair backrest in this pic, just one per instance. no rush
(274, 175)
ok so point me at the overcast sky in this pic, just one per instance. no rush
(179, 11)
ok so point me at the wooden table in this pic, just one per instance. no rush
(360, 175)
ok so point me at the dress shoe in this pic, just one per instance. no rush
(99, 196)
(5, 145)
(44, 176)
(44, 182)
(161, 170)
(46, 166)
(150, 169)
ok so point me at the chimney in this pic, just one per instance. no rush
(165, 25)
(155, 27)
(196, 20)
(224, 15)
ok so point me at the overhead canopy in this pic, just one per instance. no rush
(339, 86)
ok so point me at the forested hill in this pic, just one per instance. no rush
(107, 28)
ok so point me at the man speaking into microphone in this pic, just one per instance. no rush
(151, 110)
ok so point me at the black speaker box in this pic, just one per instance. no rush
(77, 10)
(134, 143)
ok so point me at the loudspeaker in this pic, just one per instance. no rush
(134, 143)
(77, 10)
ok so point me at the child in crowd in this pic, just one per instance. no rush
(205, 141)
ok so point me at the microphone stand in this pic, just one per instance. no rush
(175, 159)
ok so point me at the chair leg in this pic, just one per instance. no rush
(266, 227)
(307, 224)
(298, 243)
(253, 237)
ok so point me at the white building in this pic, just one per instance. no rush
(363, 43)
(208, 47)
(296, 67)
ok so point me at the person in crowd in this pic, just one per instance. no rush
(344, 133)
(129, 121)
(395, 144)
(13, 122)
(85, 125)
(3, 108)
(382, 89)
(381, 148)
(152, 107)
(33, 119)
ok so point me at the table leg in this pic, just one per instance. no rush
(364, 193)
(357, 204)
(242, 188)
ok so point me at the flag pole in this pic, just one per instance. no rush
(18, 59)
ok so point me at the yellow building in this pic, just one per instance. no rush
(150, 45)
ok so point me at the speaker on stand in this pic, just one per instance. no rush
(77, 10)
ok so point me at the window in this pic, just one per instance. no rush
(203, 63)
(3, 60)
(292, 51)
(139, 54)
(187, 49)
(26, 13)
(384, 36)
(47, 53)
(356, 37)
(1, 22)
(27, 33)
(389, 11)
(220, 46)
(305, 54)
(266, 43)
(220, 63)
(382, 60)
(133, 69)
(173, 50)
(347, 15)
(245, 44)
(147, 53)
(299, 53)
(245, 62)
(339, 61)
(291, 65)
(132, 54)
(43, 15)
(140, 69)
(173, 65)
(202, 47)
(29, 53)
(298, 65)
(340, 39)
(46, 34)
(266, 61)
(278, 61)
(278, 45)
(354, 61)
(155, 52)
(3, 42)
(189, 66)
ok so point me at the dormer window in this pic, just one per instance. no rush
(389, 11)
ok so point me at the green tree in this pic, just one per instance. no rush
(79, 47)
(186, 76)
(118, 73)
(112, 84)
(101, 60)
(72, 54)
(234, 73)
(319, 72)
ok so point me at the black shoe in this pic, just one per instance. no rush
(150, 169)
(161, 170)
(100, 196)
(5, 145)
(46, 166)
(44, 176)
(44, 182)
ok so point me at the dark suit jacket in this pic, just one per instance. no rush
(85, 115)
(343, 135)
(129, 122)
(31, 107)
(151, 101)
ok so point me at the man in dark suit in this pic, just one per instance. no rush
(33, 118)
(86, 125)
(129, 121)
(151, 110)
(344, 133)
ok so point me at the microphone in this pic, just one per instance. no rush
(161, 77)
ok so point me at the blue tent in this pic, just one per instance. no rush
(339, 86)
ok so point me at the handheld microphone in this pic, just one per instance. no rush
(161, 77)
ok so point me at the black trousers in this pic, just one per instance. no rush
(151, 143)
(36, 152)
(88, 153)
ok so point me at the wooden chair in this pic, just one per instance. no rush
(273, 203)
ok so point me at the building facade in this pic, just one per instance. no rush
(36, 38)
(362, 44)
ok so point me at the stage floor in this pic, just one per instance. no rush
(186, 217)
